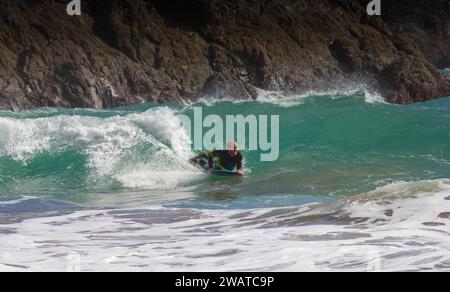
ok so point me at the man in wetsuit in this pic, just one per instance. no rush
(229, 160)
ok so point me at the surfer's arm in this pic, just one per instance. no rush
(211, 160)
(240, 166)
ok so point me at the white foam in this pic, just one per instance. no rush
(15, 201)
(412, 203)
(163, 124)
(106, 142)
(373, 97)
(144, 178)
(281, 99)
(414, 236)
(20, 139)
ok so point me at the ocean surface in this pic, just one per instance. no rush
(360, 185)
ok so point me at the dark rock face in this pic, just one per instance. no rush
(122, 52)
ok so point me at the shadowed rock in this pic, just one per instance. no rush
(122, 52)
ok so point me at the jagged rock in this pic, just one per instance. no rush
(410, 79)
(122, 52)
(228, 87)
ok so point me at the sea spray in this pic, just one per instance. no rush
(331, 145)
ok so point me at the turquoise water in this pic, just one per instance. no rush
(360, 185)
(330, 147)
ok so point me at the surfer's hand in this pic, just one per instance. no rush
(240, 172)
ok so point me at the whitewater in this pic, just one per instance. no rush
(360, 185)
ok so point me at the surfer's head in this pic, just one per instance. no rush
(233, 148)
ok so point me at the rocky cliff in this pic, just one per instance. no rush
(122, 52)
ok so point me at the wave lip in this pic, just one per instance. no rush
(282, 99)
(335, 144)
(114, 147)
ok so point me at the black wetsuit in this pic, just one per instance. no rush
(220, 159)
